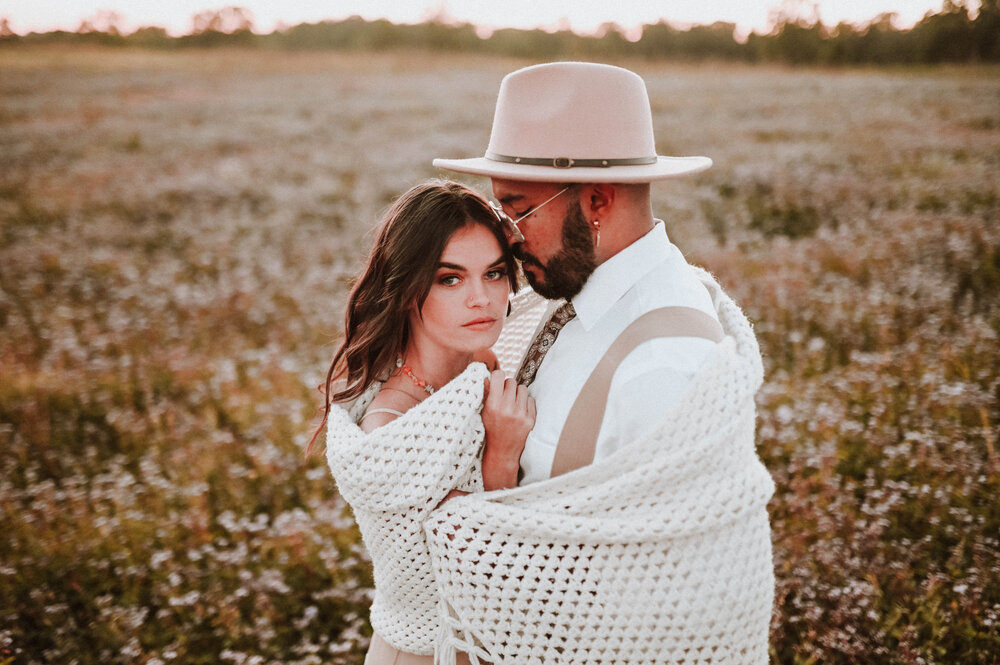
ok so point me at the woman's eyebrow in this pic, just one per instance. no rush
(455, 266)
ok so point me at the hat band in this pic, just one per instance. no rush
(569, 162)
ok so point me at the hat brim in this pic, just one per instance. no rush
(663, 169)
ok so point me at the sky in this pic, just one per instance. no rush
(583, 16)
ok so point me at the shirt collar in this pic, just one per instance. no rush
(613, 278)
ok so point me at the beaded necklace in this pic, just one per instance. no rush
(418, 382)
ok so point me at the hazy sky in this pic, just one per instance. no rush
(580, 15)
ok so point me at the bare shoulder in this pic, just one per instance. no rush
(386, 407)
(488, 357)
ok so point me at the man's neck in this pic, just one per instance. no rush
(627, 227)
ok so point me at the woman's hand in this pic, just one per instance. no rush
(508, 416)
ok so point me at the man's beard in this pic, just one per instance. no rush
(571, 267)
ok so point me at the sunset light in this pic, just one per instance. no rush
(231, 230)
(585, 16)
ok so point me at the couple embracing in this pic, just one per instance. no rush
(563, 473)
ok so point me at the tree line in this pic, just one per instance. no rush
(956, 34)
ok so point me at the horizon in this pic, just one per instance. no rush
(587, 17)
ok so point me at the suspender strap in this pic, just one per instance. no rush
(579, 435)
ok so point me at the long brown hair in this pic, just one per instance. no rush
(398, 273)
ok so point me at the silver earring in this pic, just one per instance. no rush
(597, 227)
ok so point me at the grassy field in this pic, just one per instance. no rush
(177, 233)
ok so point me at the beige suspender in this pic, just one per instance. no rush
(579, 435)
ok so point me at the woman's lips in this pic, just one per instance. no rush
(480, 324)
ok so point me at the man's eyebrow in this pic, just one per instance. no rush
(511, 198)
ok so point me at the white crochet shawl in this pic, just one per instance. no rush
(393, 477)
(660, 553)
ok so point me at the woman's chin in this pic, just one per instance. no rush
(486, 342)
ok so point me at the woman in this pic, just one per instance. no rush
(404, 429)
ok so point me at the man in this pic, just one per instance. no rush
(640, 532)
(594, 242)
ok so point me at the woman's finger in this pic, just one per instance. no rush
(504, 393)
(521, 397)
(497, 387)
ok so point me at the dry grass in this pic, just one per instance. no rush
(176, 236)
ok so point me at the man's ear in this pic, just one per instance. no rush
(600, 197)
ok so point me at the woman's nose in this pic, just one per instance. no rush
(478, 296)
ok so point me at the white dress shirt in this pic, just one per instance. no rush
(648, 274)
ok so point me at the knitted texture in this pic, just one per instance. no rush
(660, 553)
(528, 311)
(393, 477)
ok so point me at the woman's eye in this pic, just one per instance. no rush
(495, 274)
(448, 280)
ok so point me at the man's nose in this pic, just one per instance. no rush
(518, 251)
(514, 235)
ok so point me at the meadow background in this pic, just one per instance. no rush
(177, 234)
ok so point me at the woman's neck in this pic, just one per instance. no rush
(434, 364)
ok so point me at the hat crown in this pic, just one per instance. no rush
(574, 122)
(573, 109)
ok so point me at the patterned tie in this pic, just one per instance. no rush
(543, 342)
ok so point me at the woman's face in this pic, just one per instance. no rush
(467, 301)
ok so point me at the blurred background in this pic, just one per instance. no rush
(837, 32)
(185, 196)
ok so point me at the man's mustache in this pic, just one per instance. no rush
(524, 257)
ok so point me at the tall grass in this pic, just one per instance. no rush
(177, 234)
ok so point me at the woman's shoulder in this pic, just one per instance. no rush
(390, 403)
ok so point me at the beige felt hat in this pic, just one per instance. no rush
(574, 122)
